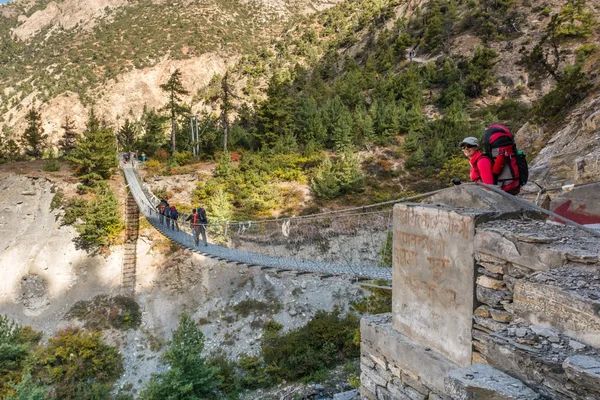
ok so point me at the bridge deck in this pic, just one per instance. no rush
(147, 203)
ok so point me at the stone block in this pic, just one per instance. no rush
(367, 394)
(398, 392)
(479, 358)
(518, 271)
(377, 334)
(484, 382)
(489, 323)
(375, 377)
(490, 283)
(584, 371)
(476, 198)
(349, 395)
(482, 311)
(414, 394)
(501, 316)
(408, 380)
(492, 297)
(384, 394)
(394, 370)
(366, 384)
(367, 361)
(493, 267)
(483, 271)
(433, 276)
(538, 257)
(561, 308)
(480, 346)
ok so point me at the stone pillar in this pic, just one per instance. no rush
(434, 278)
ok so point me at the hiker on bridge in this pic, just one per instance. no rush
(163, 206)
(174, 215)
(198, 222)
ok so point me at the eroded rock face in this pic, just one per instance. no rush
(66, 14)
(573, 153)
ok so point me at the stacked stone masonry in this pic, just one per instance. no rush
(538, 288)
(535, 322)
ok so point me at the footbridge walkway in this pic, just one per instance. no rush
(353, 242)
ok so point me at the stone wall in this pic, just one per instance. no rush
(534, 318)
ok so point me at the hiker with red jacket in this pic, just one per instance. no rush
(481, 165)
(198, 222)
(162, 207)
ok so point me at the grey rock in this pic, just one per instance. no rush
(584, 370)
(484, 382)
(350, 395)
(576, 345)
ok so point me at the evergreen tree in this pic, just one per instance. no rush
(102, 221)
(153, 137)
(434, 29)
(308, 122)
(174, 88)
(96, 154)
(275, 116)
(127, 136)
(69, 139)
(189, 377)
(34, 139)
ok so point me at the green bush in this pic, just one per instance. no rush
(15, 345)
(79, 365)
(327, 339)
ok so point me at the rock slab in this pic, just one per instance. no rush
(483, 382)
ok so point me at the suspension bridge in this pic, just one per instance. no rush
(355, 242)
(350, 242)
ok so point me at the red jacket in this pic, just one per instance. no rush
(481, 168)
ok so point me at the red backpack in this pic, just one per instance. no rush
(509, 165)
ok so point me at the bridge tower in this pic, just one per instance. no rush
(132, 221)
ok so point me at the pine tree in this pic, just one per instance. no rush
(34, 139)
(174, 88)
(153, 137)
(127, 136)
(96, 154)
(189, 376)
(69, 139)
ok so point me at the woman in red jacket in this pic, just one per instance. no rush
(481, 165)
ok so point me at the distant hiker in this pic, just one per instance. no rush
(411, 53)
(198, 222)
(143, 157)
(162, 207)
(481, 165)
(125, 157)
(174, 215)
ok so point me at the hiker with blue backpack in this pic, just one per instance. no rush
(174, 215)
(198, 222)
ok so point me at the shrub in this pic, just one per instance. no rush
(325, 340)
(104, 312)
(79, 365)
(153, 167)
